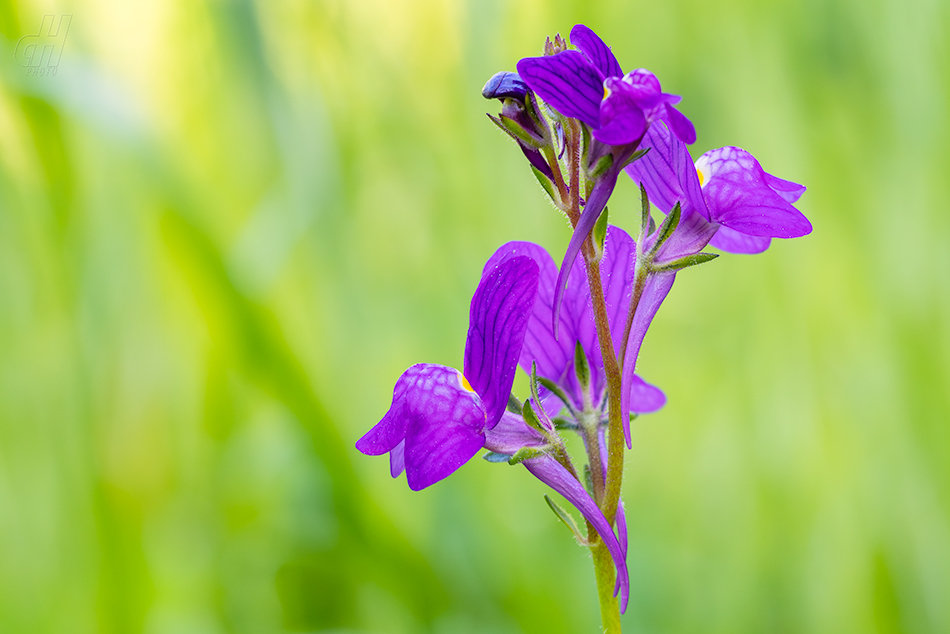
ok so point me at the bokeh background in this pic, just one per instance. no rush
(226, 227)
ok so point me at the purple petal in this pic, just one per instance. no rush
(536, 159)
(732, 241)
(397, 459)
(643, 397)
(667, 172)
(692, 234)
(547, 469)
(622, 530)
(567, 82)
(435, 421)
(437, 449)
(551, 355)
(621, 120)
(498, 319)
(391, 430)
(739, 196)
(503, 85)
(594, 49)
(655, 291)
(788, 190)
(617, 275)
(554, 357)
(644, 88)
(680, 125)
(655, 171)
(595, 205)
(685, 169)
(511, 434)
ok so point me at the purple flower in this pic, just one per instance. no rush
(439, 416)
(744, 206)
(589, 85)
(509, 88)
(555, 355)
(726, 200)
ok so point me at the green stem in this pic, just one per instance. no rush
(640, 282)
(603, 563)
(592, 441)
(604, 572)
(615, 440)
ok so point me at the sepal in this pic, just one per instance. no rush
(559, 392)
(556, 46)
(635, 156)
(581, 366)
(600, 166)
(545, 183)
(684, 262)
(525, 453)
(646, 220)
(494, 456)
(568, 520)
(599, 235)
(588, 480)
(513, 129)
(666, 229)
(530, 417)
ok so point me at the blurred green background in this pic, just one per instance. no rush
(227, 227)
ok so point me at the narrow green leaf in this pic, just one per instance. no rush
(585, 147)
(645, 218)
(563, 423)
(667, 228)
(602, 165)
(600, 234)
(568, 520)
(514, 405)
(515, 131)
(682, 263)
(546, 183)
(530, 417)
(588, 479)
(581, 366)
(558, 391)
(525, 453)
(533, 382)
(636, 155)
(518, 132)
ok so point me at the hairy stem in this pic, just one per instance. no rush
(604, 573)
(592, 443)
(551, 156)
(615, 441)
(639, 283)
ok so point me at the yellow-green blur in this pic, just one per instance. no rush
(227, 227)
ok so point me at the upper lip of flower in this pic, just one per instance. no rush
(735, 191)
(588, 84)
(439, 416)
(555, 356)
